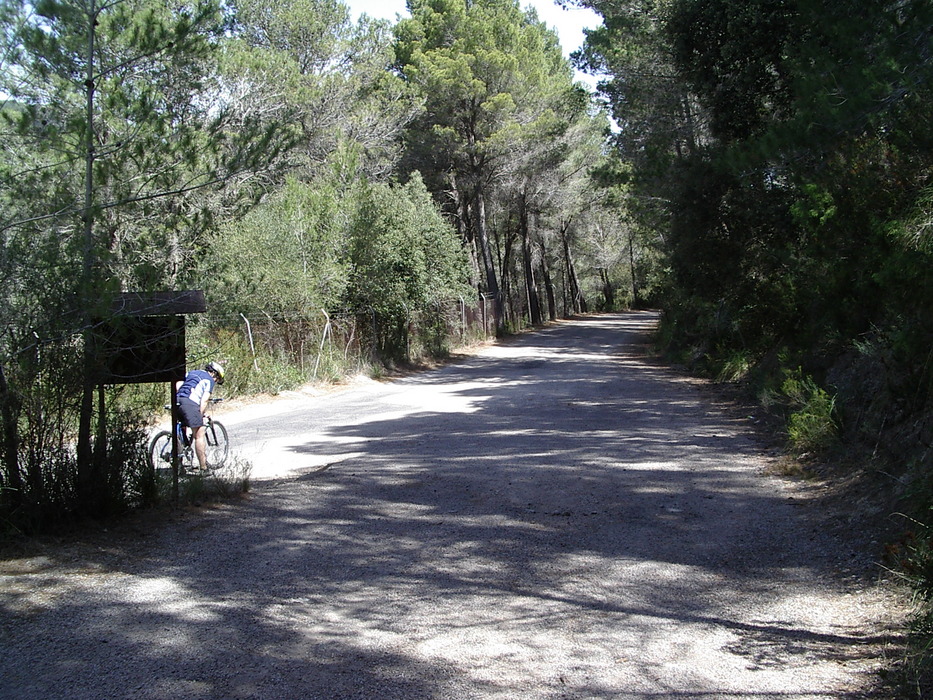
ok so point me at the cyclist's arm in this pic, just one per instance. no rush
(205, 402)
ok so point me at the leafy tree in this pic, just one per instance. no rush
(405, 259)
(658, 119)
(566, 194)
(660, 125)
(732, 54)
(116, 133)
(490, 75)
(286, 257)
(540, 180)
(303, 60)
(791, 187)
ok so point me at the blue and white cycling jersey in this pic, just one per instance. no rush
(198, 384)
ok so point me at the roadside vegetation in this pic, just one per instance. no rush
(783, 151)
(352, 196)
(349, 196)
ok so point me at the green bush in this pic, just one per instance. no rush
(48, 496)
(811, 424)
(270, 371)
(405, 257)
(734, 366)
(911, 560)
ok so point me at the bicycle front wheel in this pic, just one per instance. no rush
(160, 451)
(218, 447)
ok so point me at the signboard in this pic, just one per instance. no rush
(141, 349)
(174, 303)
(143, 341)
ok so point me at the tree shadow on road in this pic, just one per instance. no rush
(566, 520)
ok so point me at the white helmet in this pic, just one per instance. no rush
(217, 369)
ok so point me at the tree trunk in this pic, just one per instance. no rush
(608, 291)
(465, 228)
(576, 295)
(548, 284)
(492, 284)
(631, 262)
(101, 484)
(505, 251)
(9, 409)
(531, 287)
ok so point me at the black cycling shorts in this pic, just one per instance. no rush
(190, 413)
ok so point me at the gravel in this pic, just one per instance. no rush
(556, 516)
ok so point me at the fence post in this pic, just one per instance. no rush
(252, 348)
(462, 318)
(323, 340)
(482, 301)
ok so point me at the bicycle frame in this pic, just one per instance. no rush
(176, 445)
(184, 433)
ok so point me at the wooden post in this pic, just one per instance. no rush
(173, 394)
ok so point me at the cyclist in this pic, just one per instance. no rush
(193, 396)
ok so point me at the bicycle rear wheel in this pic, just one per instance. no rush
(160, 451)
(218, 447)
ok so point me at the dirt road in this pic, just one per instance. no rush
(555, 517)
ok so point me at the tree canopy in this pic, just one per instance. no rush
(494, 83)
(327, 183)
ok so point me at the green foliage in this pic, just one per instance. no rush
(298, 260)
(786, 149)
(271, 370)
(404, 258)
(117, 144)
(114, 151)
(735, 366)
(305, 61)
(39, 488)
(126, 477)
(286, 257)
(732, 55)
(911, 560)
(812, 424)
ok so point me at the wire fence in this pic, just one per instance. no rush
(307, 341)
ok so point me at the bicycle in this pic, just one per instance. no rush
(217, 448)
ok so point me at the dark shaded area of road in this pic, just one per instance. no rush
(556, 517)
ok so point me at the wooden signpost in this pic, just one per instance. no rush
(143, 342)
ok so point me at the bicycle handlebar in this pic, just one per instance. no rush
(168, 406)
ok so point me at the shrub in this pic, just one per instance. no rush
(734, 366)
(226, 482)
(811, 424)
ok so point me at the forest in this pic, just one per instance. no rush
(356, 195)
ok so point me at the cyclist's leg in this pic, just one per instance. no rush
(192, 418)
(200, 446)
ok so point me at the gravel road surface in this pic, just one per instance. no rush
(554, 517)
